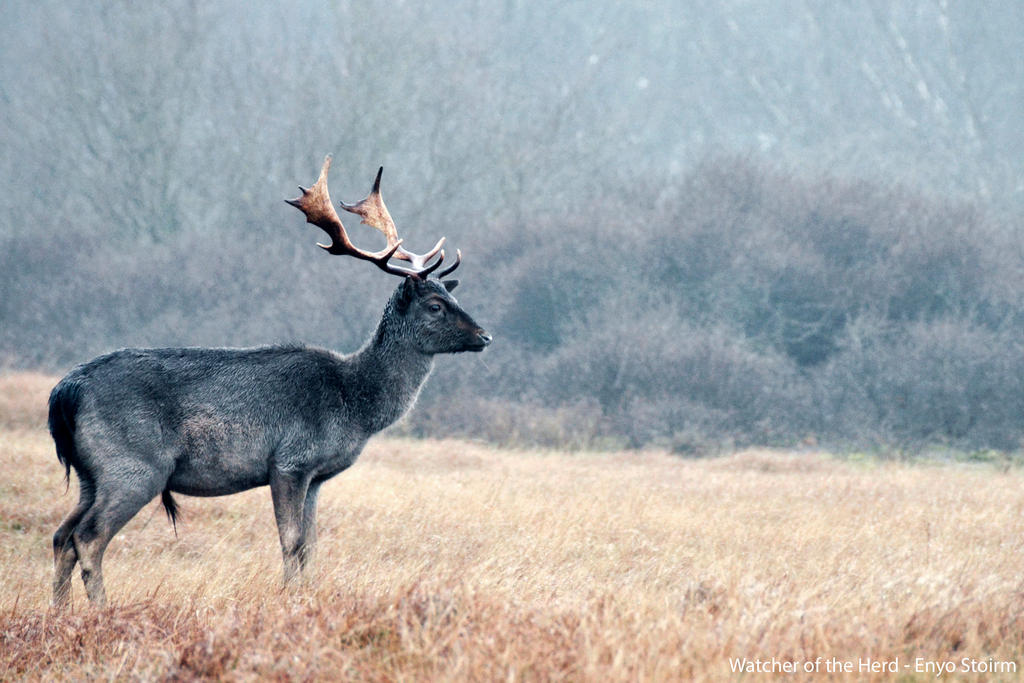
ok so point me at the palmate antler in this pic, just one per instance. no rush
(316, 204)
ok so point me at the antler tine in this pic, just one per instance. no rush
(449, 269)
(315, 202)
(375, 214)
(420, 260)
(431, 268)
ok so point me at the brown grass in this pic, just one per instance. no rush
(455, 561)
(23, 399)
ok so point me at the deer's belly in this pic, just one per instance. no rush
(218, 474)
(217, 456)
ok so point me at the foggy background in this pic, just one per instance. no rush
(686, 224)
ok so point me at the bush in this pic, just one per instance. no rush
(944, 381)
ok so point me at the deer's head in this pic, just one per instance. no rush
(423, 307)
(433, 319)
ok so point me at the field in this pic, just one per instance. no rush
(443, 560)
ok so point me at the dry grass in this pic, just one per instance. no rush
(455, 561)
(23, 399)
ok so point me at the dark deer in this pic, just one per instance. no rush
(138, 423)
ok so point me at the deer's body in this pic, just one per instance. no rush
(138, 423)
(218, 420)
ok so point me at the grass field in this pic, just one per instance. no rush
(443, 560)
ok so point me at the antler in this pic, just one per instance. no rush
(376, 215)
(316, 204)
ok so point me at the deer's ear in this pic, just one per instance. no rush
(450, 284)
(407, 294)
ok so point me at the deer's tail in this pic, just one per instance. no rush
(64, 401)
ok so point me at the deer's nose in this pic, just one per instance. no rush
(484, 337)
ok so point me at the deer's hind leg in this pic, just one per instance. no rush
(64, 554)
(118, 499)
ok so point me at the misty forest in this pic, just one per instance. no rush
(692, 226)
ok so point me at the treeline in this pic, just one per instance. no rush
(738, 304)
(748, 305)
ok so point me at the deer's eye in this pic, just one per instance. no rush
(435, 308)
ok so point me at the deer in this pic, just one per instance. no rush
(138, 423)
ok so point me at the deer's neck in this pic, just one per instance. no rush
(390, 371)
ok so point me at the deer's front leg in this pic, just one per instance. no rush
(288, 492)
(307, 551)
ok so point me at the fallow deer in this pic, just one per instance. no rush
(138, 423)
